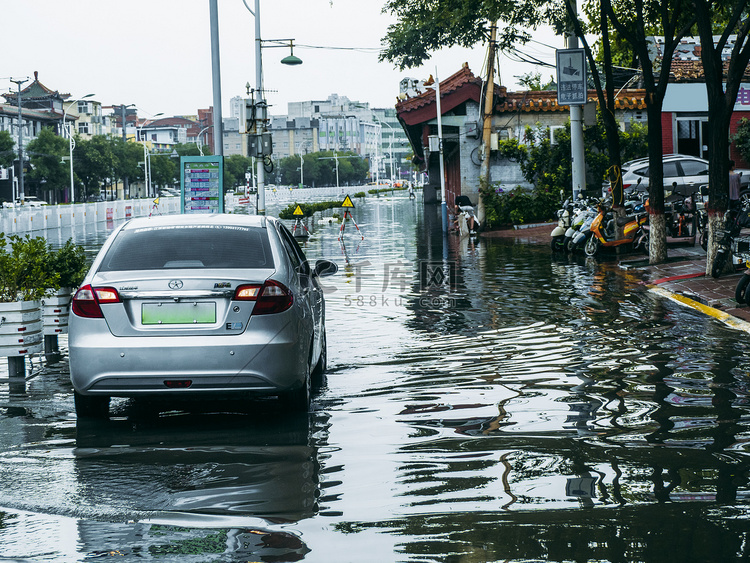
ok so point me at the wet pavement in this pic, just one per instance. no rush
(682, 277)
(485, 401)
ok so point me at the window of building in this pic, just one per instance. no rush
(83, 107)
(83, 128)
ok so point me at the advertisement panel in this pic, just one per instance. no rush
(201, 184)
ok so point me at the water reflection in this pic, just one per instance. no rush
(209, 479)
(486, 401)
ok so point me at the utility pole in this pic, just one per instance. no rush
(439, 110)
(216, 73)
(125, 180)
(484, 173)
(21, 194)
(578, 158)
(260, 171)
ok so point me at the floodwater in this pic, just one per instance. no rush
(484, 402)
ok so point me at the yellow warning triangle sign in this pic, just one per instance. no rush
(347, 202)
(298, 211)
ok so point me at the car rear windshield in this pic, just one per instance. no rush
(193, 246)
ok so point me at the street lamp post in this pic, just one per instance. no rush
(21, 194)
(390, 144)
(444, 204)
(200, 146)
(146, 155)
(125, 182)
(302, 165)
(71, 144)
(290, 60)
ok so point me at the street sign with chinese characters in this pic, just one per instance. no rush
(571, 77)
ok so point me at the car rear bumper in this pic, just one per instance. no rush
(101, 364)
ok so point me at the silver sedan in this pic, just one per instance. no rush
(198, 306)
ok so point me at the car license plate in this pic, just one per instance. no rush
(178, 313)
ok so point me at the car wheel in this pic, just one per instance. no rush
(320, 367)
(298, 400)
(91, 407)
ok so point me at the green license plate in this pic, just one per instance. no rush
(178, 313)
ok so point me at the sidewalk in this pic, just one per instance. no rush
(682, 278)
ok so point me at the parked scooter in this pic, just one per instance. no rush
(603, 229)
(731, 243)
(581, 213)
(584, 232)
(681, 218)
(564, 218)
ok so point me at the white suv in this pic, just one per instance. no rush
(685, 173)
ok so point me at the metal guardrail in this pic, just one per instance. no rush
(24, 220)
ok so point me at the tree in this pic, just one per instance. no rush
(288, 171)
(164, 171)
(94, 161)
(721, 88)
(235, 167)
(127, 156)
(192, 149)
(49, 171)
(423, 27)
(418, 31)
(7, 155)
(633, 20)
(533, 81)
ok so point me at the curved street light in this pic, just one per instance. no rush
(290, 60)
(146, 154)
(198, 139)
(71, 143)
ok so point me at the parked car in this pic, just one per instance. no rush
(198, 306)
(32, 201)
(688, 173)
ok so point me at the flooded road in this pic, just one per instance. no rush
(484, 402)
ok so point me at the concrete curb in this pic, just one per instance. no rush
(729, 320)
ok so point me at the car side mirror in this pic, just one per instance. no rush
(325, 268)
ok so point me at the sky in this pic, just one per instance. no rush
(156, 54)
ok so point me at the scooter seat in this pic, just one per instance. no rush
(622, 221)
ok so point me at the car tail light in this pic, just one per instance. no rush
(247, 292)
(626, 186)
(86, 301)
(271, 297)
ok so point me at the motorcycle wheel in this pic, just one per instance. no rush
(719, 262)
(569, 246)
(704, 240)
(640, 242)
(740, 292)
(592, 246)
(557, 244)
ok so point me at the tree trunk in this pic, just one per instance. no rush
(657, 250)
(657, 245)
(715, 226)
